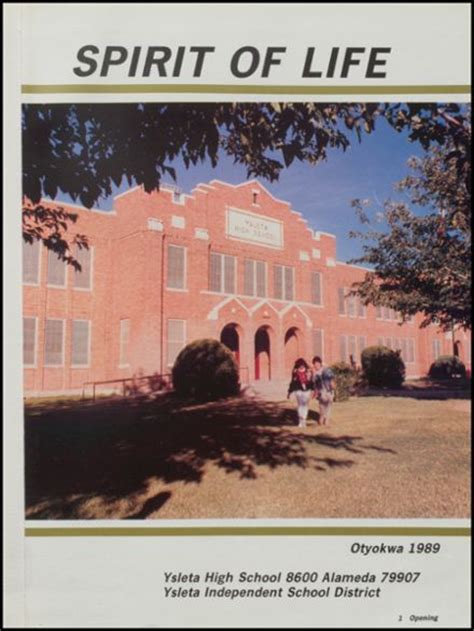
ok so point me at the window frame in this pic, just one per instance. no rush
(89, 345)
(322, 341)
(54, 285)
(321, 294)
(185, 337)
(185, 268)
(222, 289)
(35, 346)
(63, 343)
(39, 266)
(283, 282)
(91, 273)
(120, 363)
(254, 263)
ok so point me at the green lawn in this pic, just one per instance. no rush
(117, 459)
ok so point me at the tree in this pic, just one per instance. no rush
(423, 262)
(83, 149)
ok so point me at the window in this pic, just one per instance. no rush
(341, 293)
(404, 346)
(80, 342)
(316, 289)
(124, 340)
(411, 350)
(56, 270)
(362, 344)
(176, 339)
(29, 341)
(283, 282)
(378, 312)
(255, 282)
(352, 348)
(318, 342)
(54, 343)
(83, 278)
(31, 258)
(344, 355)
(351, 306)
(436, 349)
(176, 272)
(222, 273)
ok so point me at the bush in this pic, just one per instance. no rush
(447, 367)
(382, 367)
(206, 370)
(346, 378)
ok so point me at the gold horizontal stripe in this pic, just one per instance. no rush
(125, 88)
(244, 531)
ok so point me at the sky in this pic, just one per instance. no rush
(322, 193)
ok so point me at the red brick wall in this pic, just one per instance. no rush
(129, 282)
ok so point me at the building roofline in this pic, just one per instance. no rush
(254, 181)
(366, 269)
(72, 205)
(327, 234)
(128, 191)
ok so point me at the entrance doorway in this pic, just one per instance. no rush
(262, 354)
(230, 338)
(292, 348)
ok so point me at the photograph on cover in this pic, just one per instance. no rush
(246, 310)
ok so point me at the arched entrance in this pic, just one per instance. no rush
(262, 354)
(230, 338)
(292, 348)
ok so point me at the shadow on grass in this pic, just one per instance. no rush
(97, 460)
(425, 389)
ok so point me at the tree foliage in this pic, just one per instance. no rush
(206, 370)
(447, 367)
(422, 263)
(382, 367)
(82, 150)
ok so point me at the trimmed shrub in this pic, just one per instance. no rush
(382, 367)
(447, 367)
(346, 378)
(206, 370)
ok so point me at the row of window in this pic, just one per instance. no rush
(351, 347)
(176, 340)
(349, 304)
(223, 274)
(54, 341)
(352, 306)
(56, 275)
(387, 313)
(405, 345)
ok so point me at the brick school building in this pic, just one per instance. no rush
(227, 262)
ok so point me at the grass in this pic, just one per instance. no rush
(242, 458)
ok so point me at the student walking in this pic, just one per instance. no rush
(302, 385)
(324, 389)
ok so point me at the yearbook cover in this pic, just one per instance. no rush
(237, 317)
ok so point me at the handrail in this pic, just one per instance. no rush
(164, 378)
